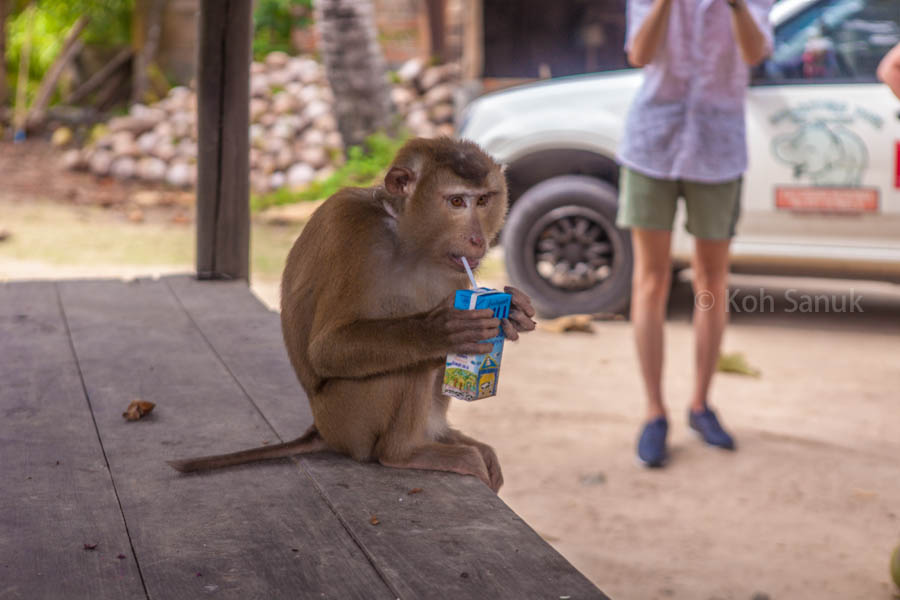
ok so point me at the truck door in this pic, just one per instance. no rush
(824, 136)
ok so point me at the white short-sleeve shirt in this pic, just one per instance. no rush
(687, 120)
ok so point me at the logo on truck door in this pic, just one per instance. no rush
(827, 157)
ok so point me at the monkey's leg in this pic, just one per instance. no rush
(487, 454)
(310, 441)
(437, 456)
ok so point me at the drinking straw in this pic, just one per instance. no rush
(469, 271)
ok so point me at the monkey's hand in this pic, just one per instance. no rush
(452, 330)
(520, 314)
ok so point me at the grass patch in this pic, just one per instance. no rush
(87, 237)
(363, 168)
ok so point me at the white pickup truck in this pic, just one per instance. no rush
(821, 196)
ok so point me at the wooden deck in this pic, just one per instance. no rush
(74, 472)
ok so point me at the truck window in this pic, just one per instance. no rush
(832, 41)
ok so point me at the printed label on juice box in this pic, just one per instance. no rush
(475, 376)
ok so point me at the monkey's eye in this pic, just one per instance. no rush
(483, 200)
(457, 201)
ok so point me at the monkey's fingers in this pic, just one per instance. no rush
(471, 315)
(522, 321)
(469, 336)
(467, 324)
(521, 300)
(509, 330)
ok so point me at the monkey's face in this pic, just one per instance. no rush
(473, 215)
(455, 199)
(453, 218)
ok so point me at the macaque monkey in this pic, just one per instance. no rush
(367, 314)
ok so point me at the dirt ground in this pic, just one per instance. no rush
(807, 508)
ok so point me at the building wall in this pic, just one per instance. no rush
(535, 38)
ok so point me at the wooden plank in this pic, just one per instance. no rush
(70, 48)
(223, 161)
(56, 493)
(99, 78)
(252, 532)
(455, 539)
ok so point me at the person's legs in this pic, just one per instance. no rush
(647, 206)
(651, 281)
(713, 211)
(710, 266)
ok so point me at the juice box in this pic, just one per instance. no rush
(475, 376)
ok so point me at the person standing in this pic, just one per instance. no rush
(685, 137)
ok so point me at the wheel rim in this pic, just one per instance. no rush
(573, 248)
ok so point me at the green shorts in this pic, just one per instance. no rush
(649, 203)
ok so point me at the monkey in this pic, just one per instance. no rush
(367, 316)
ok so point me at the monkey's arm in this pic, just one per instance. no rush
(366, 347)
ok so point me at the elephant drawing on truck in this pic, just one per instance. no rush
(826, 154)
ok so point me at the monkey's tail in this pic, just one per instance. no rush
(310, 441)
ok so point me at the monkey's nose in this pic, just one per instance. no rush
(477, 241)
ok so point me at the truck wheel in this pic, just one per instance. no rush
(564, 250)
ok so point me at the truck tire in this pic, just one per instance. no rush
(564, 250)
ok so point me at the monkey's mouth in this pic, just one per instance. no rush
(456, 259)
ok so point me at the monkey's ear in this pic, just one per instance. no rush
(399, 181)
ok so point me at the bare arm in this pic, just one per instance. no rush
(648, 38)
(751, 41)
(889, 70)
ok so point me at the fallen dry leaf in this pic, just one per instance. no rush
(137, 409)
(736, 363)
(414, 491)
(374, 520)
(580, 323)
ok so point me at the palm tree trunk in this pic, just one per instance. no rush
(355, 67)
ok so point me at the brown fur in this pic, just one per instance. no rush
(367, 318)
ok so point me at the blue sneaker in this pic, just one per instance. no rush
(707, 426)
(651, 449)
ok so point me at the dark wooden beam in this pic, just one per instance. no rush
(223, 188)
(437, 11)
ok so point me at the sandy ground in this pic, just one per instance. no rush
(807, 508)
(809, 505)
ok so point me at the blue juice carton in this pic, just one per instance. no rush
(475, 376)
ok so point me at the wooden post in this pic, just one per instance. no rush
(146, 29)
(473, 40)
(437, 34)
(223, 106)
